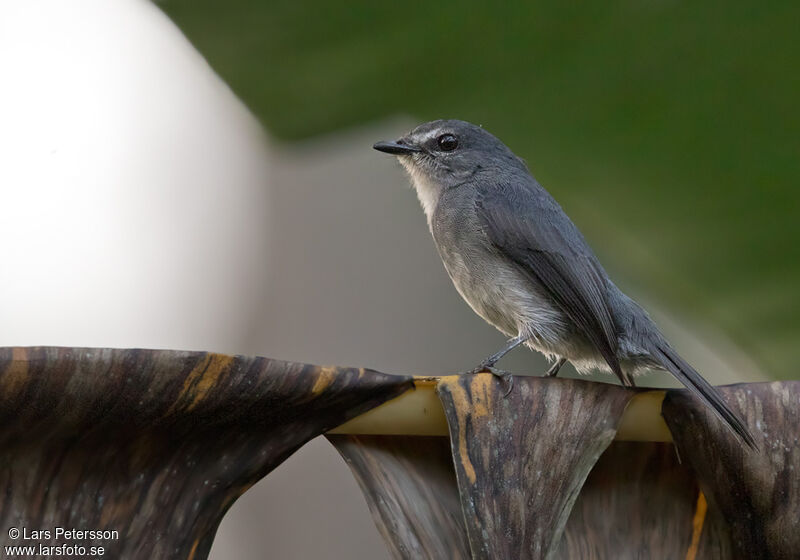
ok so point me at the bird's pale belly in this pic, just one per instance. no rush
(493, 290)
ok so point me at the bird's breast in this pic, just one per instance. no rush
(490, 283)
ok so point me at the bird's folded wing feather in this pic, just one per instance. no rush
(527, 226)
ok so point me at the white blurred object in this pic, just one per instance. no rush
(133, 184)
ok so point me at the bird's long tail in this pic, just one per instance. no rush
(693, 381)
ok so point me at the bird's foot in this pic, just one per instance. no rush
(505, 377)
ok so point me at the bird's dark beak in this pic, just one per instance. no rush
(398, 148)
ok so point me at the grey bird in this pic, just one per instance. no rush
(521, 264)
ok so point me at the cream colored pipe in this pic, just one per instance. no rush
(419, 413)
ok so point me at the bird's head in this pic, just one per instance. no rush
(442, 154)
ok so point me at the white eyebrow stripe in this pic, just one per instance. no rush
(429, 135)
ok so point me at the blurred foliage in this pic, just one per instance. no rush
(670, 131)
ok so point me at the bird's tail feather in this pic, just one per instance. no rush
(693, 381)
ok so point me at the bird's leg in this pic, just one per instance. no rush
(488, 363)
(553, 371)
(628, 381)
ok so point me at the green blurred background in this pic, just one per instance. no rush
(670, 131)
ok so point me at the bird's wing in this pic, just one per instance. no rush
(529, 227)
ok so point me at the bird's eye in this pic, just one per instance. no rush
(447, 142)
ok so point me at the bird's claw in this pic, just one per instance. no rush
(505, 377)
